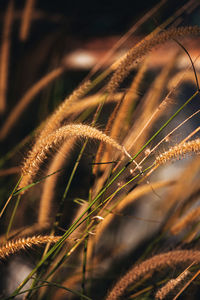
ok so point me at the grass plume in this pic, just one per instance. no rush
(178, 151)
(14, 246)
(171, 285)
(39, 154)
(143, 48)
(157, 262)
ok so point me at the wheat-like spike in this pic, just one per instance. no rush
(14, 246)
(27, 98)
(172, 284)
(143, 48)
(125, 37)
(178, 151)
(157, 262)
(26, 19)
(25, 231)
(5, 54)
(187, 284)
(38, 154)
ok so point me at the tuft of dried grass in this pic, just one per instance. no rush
(178, 151)
(15, 246)
(143, 48)
(157, 262)
(171, 285)
(38, 154)
(26, 231)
